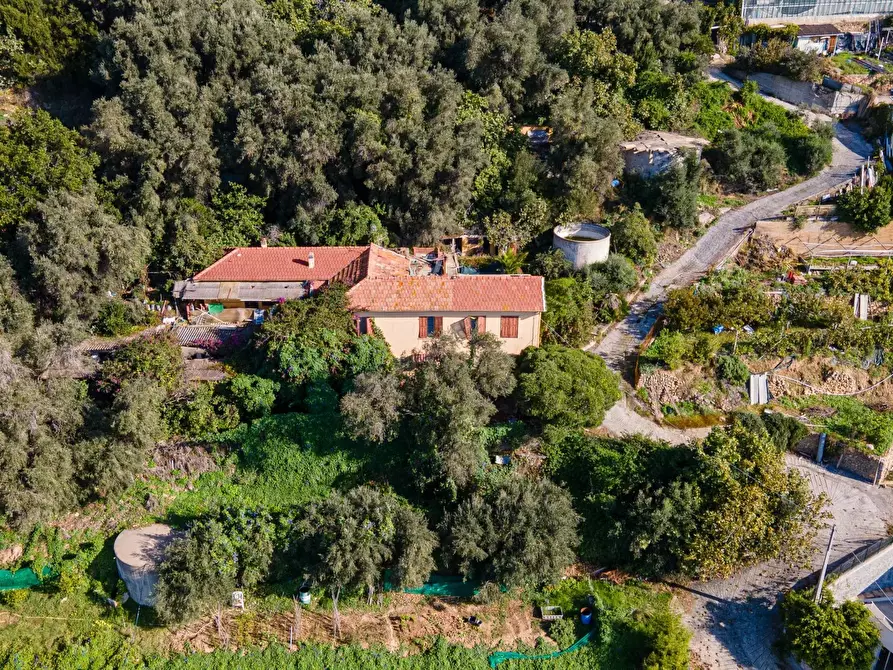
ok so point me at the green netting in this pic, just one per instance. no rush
(21, 579)
(442, 585)
(215, 308)
(501, 656)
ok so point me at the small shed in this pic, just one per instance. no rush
(820, 38)
(138, 554)
(653, 152)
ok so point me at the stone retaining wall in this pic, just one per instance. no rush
(868, 466)
(814, 96)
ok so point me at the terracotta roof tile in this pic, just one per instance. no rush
(290, 264)
(380, 278)
(484, 293)
(283, 264)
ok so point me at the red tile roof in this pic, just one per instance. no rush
(380, 279)
(463, 293)
(291, 264)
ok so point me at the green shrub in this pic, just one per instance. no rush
(580, 386)
(670, 348)
(668, 644)
(156, 358)
(867, 209)
(808, 155)
(828, 637)
(633, 236)
(203, 411)
(253, 395)
(568, 316)
(14, 599)
(732, 369)
(784, 430)
(779, 56)
(750, 160)
(704, 348)
(671, 197)
(563, 631)
(552, 264)
(113, 319)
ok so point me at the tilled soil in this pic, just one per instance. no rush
(405, 621)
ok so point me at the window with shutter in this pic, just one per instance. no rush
(430, 326)
(364, 325)
(508, 326)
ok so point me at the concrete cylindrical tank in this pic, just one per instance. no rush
(582, 243)
(138, 553)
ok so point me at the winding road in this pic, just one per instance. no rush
(850, 151)
(733, 620)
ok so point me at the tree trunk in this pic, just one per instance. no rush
(336, 615)
(297, 618)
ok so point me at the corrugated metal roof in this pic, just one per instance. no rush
(209, 336)
(818, 30)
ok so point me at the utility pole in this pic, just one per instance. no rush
(818, 588)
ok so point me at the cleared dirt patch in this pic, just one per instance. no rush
(405, 622)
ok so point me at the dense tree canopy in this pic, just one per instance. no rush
(351, 540)
(521, 532)
(702, 510)
(209, 124)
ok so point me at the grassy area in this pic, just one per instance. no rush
(847, 65)
(851, 419)
(631, 621)
(712, 201)
(721, 109)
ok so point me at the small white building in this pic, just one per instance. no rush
(653, 152)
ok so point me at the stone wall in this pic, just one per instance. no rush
(861, 572)
(839, 103)
(863, 464)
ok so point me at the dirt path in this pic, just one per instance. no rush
(621, 343)
(733, 620)
(621, 420)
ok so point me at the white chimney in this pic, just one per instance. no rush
(263, 242)
(311, 260)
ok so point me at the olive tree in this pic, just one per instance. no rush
(523, 532)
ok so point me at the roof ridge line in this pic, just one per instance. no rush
(215, 263)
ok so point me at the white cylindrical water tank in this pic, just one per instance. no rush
(582, 243)
(138, 554)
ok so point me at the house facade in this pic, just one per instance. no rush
(407, 298)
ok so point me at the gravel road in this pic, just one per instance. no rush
(620, 344)
(733, 620)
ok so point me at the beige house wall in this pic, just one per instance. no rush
(401, 330)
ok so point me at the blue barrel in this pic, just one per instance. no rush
(585, 616)
(304, 595)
